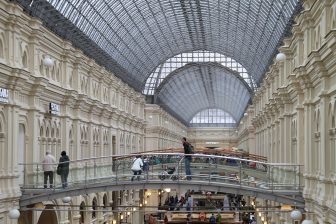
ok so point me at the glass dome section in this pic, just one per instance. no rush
(212, 118)
(163, 70)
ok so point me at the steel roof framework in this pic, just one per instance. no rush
(199, 86)
(133, 38)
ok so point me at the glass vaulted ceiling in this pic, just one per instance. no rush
(170, 65)
(199, 86)
(132, 38)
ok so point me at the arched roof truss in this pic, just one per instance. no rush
(199, 86)
(132, 38)
(178, 61)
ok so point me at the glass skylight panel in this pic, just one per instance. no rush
(198, 56)
(212, 116)
(140, 35)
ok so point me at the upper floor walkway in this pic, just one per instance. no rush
(230, 174)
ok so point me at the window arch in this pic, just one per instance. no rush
(82, 212)
(180, 60)
(105, 203)
(41, 68)
(94, 208)
(2, 50)
(24, 59)
(212, 117)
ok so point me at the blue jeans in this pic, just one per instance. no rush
(187, 161)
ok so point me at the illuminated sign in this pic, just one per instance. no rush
(54, 108)
(3, 95)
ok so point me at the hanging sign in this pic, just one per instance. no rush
(3, 95)
(54, 108)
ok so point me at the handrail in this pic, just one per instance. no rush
(211, 170)
(122, 156)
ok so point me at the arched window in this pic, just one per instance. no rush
(82, 212)
(25, 59)
(105, 203)
(41, 68)
(94, 208)
(212, 118)
(1, 48)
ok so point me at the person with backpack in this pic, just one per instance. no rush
(63, 168)
(146, 166)
(212, 219)
(188, 149)
(137, 167)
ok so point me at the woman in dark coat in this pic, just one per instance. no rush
(64, 163)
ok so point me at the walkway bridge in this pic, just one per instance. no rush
(271, 181)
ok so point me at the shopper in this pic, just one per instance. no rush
(187, 158)
(136, 167)
(63, 166)
(48, 165)
(212, 219)
(146, 166)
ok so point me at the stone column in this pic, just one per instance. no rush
(137, 216)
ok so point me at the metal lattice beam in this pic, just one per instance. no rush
(197, 86)
(133, 37)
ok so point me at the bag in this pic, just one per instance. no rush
(59, 170)
(190, 149)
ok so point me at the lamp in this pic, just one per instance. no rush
(14, 213)
(66, 200)
(167, 190)
(280, 57)
(296, 215)
(47, 61)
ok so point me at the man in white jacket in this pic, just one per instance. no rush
(137, 167)
(48, 165)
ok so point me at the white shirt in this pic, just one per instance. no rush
(48, 163)
(137, 164)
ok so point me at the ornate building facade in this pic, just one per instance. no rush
(76, 105)
(293, 111)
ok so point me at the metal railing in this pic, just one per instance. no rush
(213, 169)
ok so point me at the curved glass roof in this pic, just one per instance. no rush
(140, 35)
(212, 117)
(135, 38)
(199, 86)
(170, 65)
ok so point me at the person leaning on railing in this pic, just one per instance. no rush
(48, 165)
(63, 168)
(187, 159)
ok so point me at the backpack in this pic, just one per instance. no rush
(190, 149)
